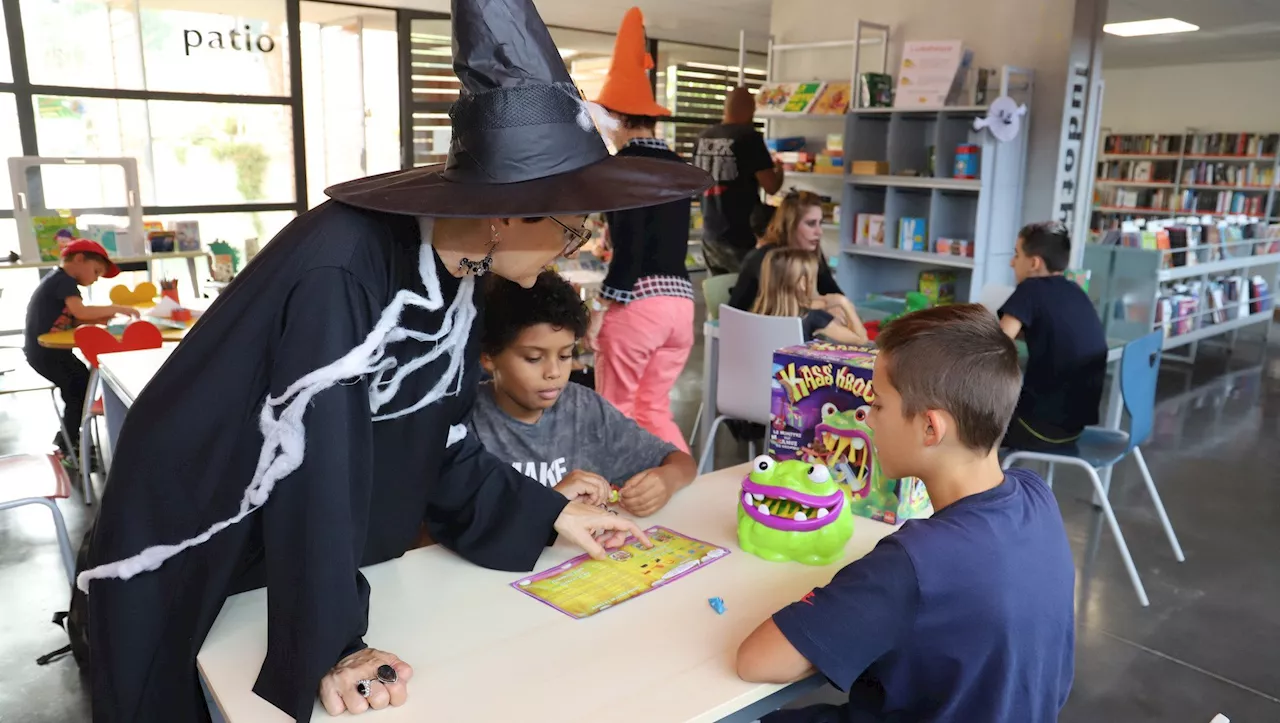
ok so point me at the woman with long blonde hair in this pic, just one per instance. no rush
(788, 280)
(796, 224)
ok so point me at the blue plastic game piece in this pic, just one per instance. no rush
(717, 604)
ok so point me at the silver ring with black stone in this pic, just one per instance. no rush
(364, 687)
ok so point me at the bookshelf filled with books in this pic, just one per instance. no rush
(926, 193)
(1191, 278)
(1191, 173)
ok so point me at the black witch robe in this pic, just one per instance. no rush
(191, 441)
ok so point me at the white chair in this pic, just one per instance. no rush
(993, 296)
(743, 391)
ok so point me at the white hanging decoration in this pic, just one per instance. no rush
(1003, 119)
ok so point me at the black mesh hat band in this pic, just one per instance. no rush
(521, 133)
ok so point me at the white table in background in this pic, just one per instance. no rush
(482, 651)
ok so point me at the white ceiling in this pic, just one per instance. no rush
(1230, 30)
(705, 22)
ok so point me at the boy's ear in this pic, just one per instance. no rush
(486, 363)
(936, 427)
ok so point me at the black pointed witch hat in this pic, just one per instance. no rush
(523, 143)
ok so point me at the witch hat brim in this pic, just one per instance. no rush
(613, 184)
(523, 140)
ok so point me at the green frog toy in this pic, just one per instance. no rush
(793, 511)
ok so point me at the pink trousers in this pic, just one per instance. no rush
(642, 350)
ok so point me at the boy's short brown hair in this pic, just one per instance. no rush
(957, 359)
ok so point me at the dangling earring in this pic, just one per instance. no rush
(481, 267)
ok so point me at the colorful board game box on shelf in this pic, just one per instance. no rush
(821, 398)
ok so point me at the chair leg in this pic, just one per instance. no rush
(1115, 530)
(1048, 476)
(1155, 498)
(709, 449)
(697, 421)
(66, 433)
(64, 540)
(86, 478)
(751, 449)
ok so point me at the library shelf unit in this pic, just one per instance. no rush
(985, 210)
(1128, 285)
(1168, 171)
(815, 127)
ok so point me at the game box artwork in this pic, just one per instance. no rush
(821, 397)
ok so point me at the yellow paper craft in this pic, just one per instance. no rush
(144, 293)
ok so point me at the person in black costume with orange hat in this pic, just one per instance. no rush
(311, 422)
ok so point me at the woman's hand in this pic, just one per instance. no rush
(594, 530)
(338, 691)
(584, 486)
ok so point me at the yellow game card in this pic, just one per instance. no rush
(583, 587)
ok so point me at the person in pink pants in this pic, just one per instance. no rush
(642, 324)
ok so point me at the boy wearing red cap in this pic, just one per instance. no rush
(56, 305)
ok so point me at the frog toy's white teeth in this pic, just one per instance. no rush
(800, 517)
(746, 499)
(764, 509)
(822, 512)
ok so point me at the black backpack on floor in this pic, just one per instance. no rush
(74, 621)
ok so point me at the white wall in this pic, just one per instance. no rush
(1033, 34)
(1221, 97)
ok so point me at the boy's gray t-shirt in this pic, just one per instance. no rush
(582, 431)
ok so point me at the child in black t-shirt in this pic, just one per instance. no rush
(1066, 345)
(56, 306)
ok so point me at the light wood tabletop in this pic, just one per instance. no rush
(483, 651)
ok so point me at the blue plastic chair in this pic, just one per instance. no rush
(1100, 448)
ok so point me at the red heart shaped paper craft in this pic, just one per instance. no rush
(95, 340)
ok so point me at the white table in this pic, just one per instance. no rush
(124, 374)
(482, 651)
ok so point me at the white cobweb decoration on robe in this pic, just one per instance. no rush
(282, 418)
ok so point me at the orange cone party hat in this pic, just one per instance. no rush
(627, 89)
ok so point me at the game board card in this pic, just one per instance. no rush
(583, 587)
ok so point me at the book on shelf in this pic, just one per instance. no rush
(833, 100)
(1140, 144)
(1232, 144)
(1259, 174)
(803, 98)
(773, 97)
(1138, 171)
(869, 229)
(875, 90)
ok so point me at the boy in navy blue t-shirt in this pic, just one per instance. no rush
(1066, 345)
(966, 615)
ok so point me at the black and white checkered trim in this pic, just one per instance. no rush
(657, 143)
(650, 286)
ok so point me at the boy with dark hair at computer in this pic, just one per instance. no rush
(963, 616)
(1066, 345)
(560, 434)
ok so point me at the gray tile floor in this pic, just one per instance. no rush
(1207, 644)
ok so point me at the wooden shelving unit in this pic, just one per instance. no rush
(1107, 213)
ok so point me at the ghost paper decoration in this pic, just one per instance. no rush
(1003, 119)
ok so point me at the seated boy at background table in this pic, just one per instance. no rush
(56, 305)
(963, 616)
(1066, 345)
(559, 434)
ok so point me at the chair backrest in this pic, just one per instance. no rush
(747, 343)
(993, 296)
(1139, 368)
(715, 291)
(95, 340)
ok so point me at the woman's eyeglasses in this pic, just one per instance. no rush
(574, 239)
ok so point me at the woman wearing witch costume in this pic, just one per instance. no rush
(311, 422)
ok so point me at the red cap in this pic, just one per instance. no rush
(85, 246)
